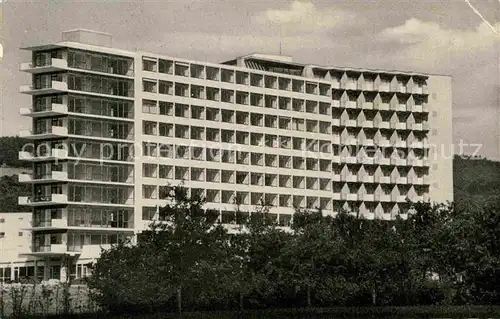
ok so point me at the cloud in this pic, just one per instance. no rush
(429, 45)
(305, 16)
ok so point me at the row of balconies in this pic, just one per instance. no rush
(62, 177)
(65, 249)
(380, 197)
(56, 131)
(62, 199)
(423, 126)
(62, 223)
(400, 180)
(381, 106)
(380, 87)
(350, 140)
(389, 161)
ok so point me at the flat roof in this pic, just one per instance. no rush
(253, 56)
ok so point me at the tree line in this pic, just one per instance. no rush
(440, 254)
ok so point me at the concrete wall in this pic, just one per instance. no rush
(440, 138)
(16, 238)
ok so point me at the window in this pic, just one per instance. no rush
(148, 213)
(166, 87)
(149, 65)
(166, 66)
(2, 234)
(166, 108)
(2, 220)
(149, 170)
(149, 86)
(149, 149)
(20, 234)
(148, 128)
(166, 129)
(149, 106)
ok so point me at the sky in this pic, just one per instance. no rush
(460, 38)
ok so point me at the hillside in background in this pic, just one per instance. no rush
(475, 180)
(9, 151)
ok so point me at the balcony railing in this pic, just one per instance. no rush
(53, 223)
(45, 110)
(43, 199)
(47, 132)
(46, 65)
(57, 176)
(45, 88)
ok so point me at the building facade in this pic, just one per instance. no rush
(113, 128)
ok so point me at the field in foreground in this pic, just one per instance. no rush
(424, 312)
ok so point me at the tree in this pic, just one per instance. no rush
(185, 248)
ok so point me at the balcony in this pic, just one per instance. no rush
(55, 153)
(417, 144)
(351, 85)
(400, 161)
(418, 181)
(349, 178)
(368, 142)
(336, 122)
(51, 177)
(401, 198)
(383, 106)
(367, 124)
(402, 180)
(53, 199)
(54, 249)
(368, 86)
(349, 159)
(335, 103)
(367, 160)
(384, 179)
(52, 88)
(417, 108)
(336, 196)
(383, 143)
(384, 87)
(384, 124)
(368, 179)
(51, 224)
(350, 104)
(336, 178)
(348, 140)
(368, 105)
(51, 65)
(49, 110)
(417, 126)
(399, 143)
(51, 132)
(350, 123)
(351, 197)
(336, 139)
(401, 126)
(369, 197)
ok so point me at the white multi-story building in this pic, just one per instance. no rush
(15, 241)
(111, 128)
